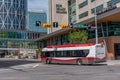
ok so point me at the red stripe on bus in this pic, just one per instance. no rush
(92, 58)
(70, 45)
(60, 60)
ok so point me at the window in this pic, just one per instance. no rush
(83, 15)
(92, 0)
(83, 4)
(98, 9)
(72, 53)
(47, 54)
(112, 2)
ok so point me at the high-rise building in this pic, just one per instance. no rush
(15, 37)
(13, 14)
(35, 21)
(72, 11)
(103, 14)
(58, 12)
(85, 9)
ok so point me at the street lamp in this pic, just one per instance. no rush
(96, 30)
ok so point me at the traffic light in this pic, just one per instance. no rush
(89, 27)
(71, 25)
(38, 23)
(46, 25)
(55, 24)
(64, 26)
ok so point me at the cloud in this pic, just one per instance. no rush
(37, 5)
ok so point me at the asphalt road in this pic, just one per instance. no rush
(6, 63)
(39, 71)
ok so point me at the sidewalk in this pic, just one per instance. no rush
(113, 62)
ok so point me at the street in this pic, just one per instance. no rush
(5, 63)
(39, 71)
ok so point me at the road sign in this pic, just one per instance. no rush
(79, 26)
(55, 24)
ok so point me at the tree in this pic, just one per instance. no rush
(78, 36)
(38, 53)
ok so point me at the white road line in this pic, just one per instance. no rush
(36, 65)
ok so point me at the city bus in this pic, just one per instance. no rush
(74, 53)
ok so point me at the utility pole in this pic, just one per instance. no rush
(96, 30)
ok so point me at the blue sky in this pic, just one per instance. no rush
(39, 5)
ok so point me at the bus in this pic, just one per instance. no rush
(74, 53)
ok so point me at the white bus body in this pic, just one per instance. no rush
(74, 53)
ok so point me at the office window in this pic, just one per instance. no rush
(83, 15)
(92, 0)
(98, 8)
(112, 2)
(83, 4)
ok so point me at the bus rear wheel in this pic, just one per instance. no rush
(79, 62)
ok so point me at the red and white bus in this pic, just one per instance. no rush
(74, 53)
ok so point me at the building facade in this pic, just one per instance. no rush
(72, 11)
(57, 12)
(108, 23)
(13, 14)
(16, 40)
(36, 16)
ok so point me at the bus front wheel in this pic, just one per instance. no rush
(47, 61)
(79, 62)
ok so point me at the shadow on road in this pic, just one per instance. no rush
(77, 65)
(8, 63)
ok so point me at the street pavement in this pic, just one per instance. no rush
(40, 71)
(5, 63)
(35, 70)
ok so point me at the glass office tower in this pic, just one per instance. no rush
(15, 39)
(13, 14)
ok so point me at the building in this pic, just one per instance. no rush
(15, 38)
(13, 14)
(83, 12)
(72, 11)
(57, 12)
(33, 18)
(108, 23)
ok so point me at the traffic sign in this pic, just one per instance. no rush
(79, 26)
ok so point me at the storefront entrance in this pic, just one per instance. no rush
(117, 51)
(8, 53)
(2, 54)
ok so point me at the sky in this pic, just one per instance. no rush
(37, 5)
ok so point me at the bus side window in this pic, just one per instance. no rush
(82, 53)
(86, 52)
(68, 54)
(47, 54)
(51, 54)
(71, 53)
(58, 54)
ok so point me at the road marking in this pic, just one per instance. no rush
(36, 65)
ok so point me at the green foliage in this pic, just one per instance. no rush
(38, 51)
(78, 36)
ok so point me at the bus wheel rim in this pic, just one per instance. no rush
(79, 62)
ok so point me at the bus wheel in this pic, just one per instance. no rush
(79, 62)
(47, 61)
